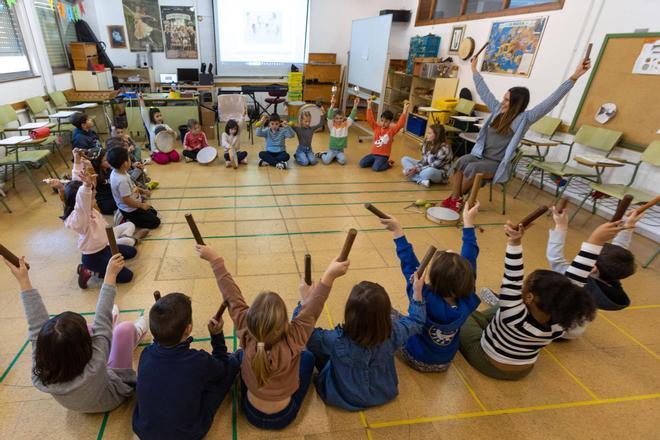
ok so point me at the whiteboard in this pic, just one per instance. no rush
(370, 42)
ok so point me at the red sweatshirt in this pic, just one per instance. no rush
(383, 137)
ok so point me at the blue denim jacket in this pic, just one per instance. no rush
(438, 342)
(358, 377)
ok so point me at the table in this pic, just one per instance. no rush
(538, 142)
(33, 125)
(61, 115)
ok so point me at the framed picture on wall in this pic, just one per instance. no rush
(512, 46)
(457, 33)
(143, 25)
(180, 32)
(117, 37)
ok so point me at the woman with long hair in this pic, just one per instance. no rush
(501, 133)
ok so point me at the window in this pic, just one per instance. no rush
(446, 11)
(57, 33)
(14, 63)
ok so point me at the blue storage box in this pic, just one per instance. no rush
(416, 125)
(422, 47)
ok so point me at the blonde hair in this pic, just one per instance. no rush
(267, 322)
(306, 115)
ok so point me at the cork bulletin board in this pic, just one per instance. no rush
(637, 96)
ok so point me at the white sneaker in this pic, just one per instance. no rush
(426, 183)
(142, 327)
(115, 315)
(262, 163)
(281, 165)
(146, 161)
(227, 164)
(488, 296)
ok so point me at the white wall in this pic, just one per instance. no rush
(101, 13)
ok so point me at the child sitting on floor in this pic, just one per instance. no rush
(137, 170)
(356, 360)
(93, 161)
(127, 195)
(134, 150)
(85, 368)
(304, 155)
(436, 159)
(83, 136)
(275, 133)
(180, 389)
(153, 122)
(231, 139)
(504, 341)
(80, 216)
(194, 140)
(449, 296)
(276, 370)
(384, 132)
(338, 126)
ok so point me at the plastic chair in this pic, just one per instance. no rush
(512, 171)
(601, 139)
(59, 100)
(276, 97)
(650, 156)
(39, 110)
(25, 159)
(8, 115)
(547, 127)
(233, 106)
(464, 107)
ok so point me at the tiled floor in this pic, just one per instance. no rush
(263, 221)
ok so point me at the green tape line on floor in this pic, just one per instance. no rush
(294, 205)
(254, 185)
(279, 234)
(301, 194)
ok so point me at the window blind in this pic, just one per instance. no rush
(57, 34)
(13, 57)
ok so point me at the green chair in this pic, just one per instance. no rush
(546, 126)
(25, 159)
(59, 100)
(8, 115)
(600, 139)
(464, 107)
(514, 162)
(39, 110)
(650, 156)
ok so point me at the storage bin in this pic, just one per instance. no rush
(444, 104)
(416, 125)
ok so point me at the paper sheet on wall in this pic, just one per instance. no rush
(648, 61)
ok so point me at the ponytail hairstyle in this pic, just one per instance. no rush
(568, 304)
(267, 321)
(518, 100)
(70, 191)
(440, 138)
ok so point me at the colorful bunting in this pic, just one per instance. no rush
(81, 7)
(76, 12)
(60, 8)
(51, 3)
(11, 3)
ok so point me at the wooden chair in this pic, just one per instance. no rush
(601, 139)
(650, 156)
(8, 115)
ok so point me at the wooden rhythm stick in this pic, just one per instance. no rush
(588, 53)
(220, 311)
(621, 208)
(377, 212)
(194, 229)
(480, 50)
(426, 260)
(308, 269)
(156, 295)
(348, 244)
(538, 212)
(561, 205)
(648, 205)
(111, 240)
(9, 256)
(476, 186)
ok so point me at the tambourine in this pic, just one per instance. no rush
(207, 155)
(442, 216)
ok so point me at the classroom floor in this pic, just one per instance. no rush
(263, 221)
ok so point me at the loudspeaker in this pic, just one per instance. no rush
(205, 79)
(398, 15)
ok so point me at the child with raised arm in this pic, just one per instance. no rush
(275, 134)
(304, 154)
(88, 370)
(276, 370)
(338, 126)
(504, 341)
(356, 360)
(180, 389)
(449, 296)
(384, 132)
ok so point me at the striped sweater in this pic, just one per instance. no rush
(514, 337)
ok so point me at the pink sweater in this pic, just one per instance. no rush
(88, 223)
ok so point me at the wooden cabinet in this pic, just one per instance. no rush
(321, 74)
(322, 58)
(314, 92)
(82, 54)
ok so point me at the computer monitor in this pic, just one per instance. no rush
(188, 75)
(168, 78)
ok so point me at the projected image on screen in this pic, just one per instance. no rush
(261, 32)
(263, 27)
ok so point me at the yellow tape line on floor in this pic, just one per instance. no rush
(573, 376)
(497, 412)
(629, 336)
